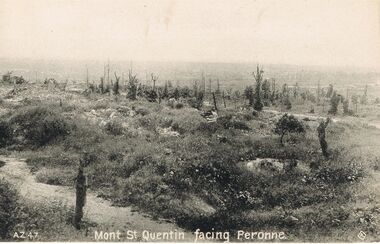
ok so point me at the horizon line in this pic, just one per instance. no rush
(105, 60)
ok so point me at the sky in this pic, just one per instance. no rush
(304, 32)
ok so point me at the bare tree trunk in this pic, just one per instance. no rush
(213, 97)
(224, 101)
(81, 189)
(87, 85)
(104, 72)
(108, 73)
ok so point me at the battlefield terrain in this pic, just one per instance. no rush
(188, 146)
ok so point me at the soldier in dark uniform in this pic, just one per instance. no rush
(322, 136)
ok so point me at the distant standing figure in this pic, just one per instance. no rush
(322, 136)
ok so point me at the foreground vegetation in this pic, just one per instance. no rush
(166, 158)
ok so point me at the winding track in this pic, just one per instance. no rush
(97, 210)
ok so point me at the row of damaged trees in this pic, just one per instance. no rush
(265, 93)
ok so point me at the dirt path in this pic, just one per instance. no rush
(97, 210)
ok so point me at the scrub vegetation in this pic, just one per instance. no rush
(202, 158)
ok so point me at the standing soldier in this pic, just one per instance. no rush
(322, 136)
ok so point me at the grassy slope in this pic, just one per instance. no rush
(131, 162)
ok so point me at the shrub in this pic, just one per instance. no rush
(114, 128)
(195, 102)
(230, 122)
(287, 103)
(247, 115)
(151, 95)
(172, 103)
(339, 174)
(132, 86)
(54, 158)
(249, 94)
(8, 206)
(334, 103)
(116, 87)
(39, 125)
(142, 111)
(154, 120)
(5, 133)
(209, 128)
(137, 160)
(186, 120)
(84, 136)
(288, 124)
(179, 105)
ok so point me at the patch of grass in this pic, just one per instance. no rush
(51, 157)
(185, 120)
(8, 206)
(56, 176)
(5, 133)
(231, 122)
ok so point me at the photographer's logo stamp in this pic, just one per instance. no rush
(362, 235)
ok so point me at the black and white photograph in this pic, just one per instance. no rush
(190, 121)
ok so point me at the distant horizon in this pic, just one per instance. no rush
(254, 63)
(235, 74)
(327, 33)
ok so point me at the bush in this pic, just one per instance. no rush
(151, 95)
(247, 115)
(230, 122)
(39, 125)
(142, 111)
(334, 103)
(339, 174)
(114, 128)
(5, 133)
(194, 102)
(209, 128)
(54, 158)
(288, 124)
(187, 120)
(179, 105)
(172, 103)
(8, 206)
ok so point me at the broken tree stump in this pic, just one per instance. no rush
(81, 188)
